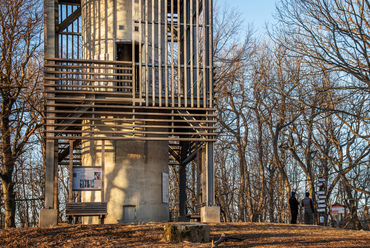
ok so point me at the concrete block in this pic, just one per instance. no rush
(210, 214)
(48, 217)
(180, 232)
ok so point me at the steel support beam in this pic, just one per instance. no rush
(182, 176)
(210, 174)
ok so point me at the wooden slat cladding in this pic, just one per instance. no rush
(109, 77)
(175, 67)
(164, 91)
(96, 100)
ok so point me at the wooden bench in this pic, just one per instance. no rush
(86, 209)
(196, 214)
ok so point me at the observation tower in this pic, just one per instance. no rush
(128, 93)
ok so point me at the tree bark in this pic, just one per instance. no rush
(353, 210)
(8, 166)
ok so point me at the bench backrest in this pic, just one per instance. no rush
(87, 208)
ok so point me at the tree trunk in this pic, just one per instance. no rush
(367, 216)
(282, 205)
(281, 169)
(241, 192)
(356, 224)
(9, 201)
(7, 173)
(311, 190)
(248, 203)
(258, 209)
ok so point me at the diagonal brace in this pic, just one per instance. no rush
(68, 21)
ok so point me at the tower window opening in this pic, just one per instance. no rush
(124, 53)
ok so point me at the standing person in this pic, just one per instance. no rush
(307, 203)
(293, 203)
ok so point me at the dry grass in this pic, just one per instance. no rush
(150, 235)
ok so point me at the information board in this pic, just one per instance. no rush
(87, 178)
(322, 219)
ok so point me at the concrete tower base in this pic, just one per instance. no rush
(133, 180)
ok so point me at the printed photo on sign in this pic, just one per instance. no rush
(97, 175)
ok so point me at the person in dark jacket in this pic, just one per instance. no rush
(293, 203)
(307, 203)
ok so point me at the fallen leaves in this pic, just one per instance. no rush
(151, 235)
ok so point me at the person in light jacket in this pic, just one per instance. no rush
(307, 204)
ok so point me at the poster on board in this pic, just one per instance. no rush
(86, 178)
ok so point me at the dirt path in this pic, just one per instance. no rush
(150, 235)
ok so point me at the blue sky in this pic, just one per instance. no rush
(255, 12)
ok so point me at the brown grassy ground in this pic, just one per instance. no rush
(150, 235)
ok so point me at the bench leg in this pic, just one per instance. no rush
(70, 219)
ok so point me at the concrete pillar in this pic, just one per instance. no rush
(50, 159)
(49, 174)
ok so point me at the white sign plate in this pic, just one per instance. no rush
(321, 179)
(322, 196)
(337, 208)
(320, 184)
(86, 178)
(165, 188)
(320, 192)
(337, 211)
(321, 201)
(321, 210)
(321, 205)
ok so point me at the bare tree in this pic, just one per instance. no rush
(231, 56)
(226, 175)
(292, 110)
(20, 39)
(331, 35)
(279, 74)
